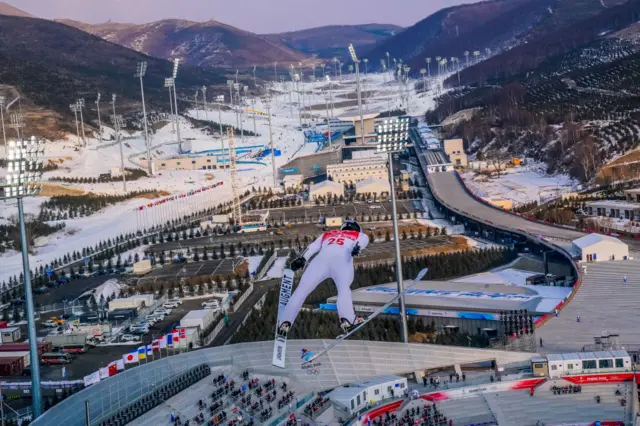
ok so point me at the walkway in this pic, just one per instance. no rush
(604, 303)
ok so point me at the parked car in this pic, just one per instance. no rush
(50, 323)
(175, 300)
(164, 311)
(170, 305)
(129, 338)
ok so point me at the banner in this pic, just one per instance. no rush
(599, 378)
(119, 364)
(92, 378)
(104, 373)
(491, 387)
(183, 195)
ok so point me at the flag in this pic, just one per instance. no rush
(149, 350)
(119, 364)
(176, 336)
(104, 373)
(92, 378)
(162, 342)
(142, 352)
(113, 368)
(169, 339)
(130, 358)
(155, 345)
(183, 334)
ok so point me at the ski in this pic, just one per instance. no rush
(339, 339)
(280, 343)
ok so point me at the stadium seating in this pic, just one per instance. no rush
(157, 397)
(519, 408)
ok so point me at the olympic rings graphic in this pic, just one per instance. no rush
(313, 371)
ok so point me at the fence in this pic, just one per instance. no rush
(221, 324)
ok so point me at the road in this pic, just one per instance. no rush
(236, 318)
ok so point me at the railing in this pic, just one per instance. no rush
(207, 340)
(267, 265)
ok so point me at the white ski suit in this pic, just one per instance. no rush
(334, 260)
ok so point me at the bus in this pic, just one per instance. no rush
(252, 227)
(55, 358)
(73, 348)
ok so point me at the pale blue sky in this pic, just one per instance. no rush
(260, 16)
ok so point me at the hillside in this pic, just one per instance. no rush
(575, 112)
(332, 40)
(206, 44)
(52, 64)
(8, 10)
(553, 37)
(489, 27)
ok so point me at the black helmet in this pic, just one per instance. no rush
(350, 225)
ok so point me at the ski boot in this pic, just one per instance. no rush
(283, 328)
(347, 326)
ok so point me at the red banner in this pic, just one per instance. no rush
(381, 411)
(599, 378)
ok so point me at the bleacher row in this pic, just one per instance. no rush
(245, 399)
(157, 397)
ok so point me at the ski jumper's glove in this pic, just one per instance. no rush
(356, 250)
(298, 263)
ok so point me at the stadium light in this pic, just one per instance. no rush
(80, 105)
(4, 135)
(99, 118)
(24, 172)
(141, 71)
(354, 58)
(74, 108)
(204, 101)
(393, 137)
(168, 83)
(118, 124)
(328, 78)
(176, 63)
(220, 101)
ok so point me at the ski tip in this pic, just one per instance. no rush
(421, 274)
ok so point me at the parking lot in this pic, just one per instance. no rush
(185, 270)
(71, 290)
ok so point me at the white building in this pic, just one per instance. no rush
(292, 181)
(325, 189)
(356, 396)
(199, 319)
(373, 186)
(599, 248)
(617, 209)
(352, 171)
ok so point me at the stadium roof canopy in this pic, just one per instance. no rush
(351, 361)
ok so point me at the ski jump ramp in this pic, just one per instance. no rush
(350, 361)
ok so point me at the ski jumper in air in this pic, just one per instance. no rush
(335, 250)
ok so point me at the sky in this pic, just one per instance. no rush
(259, 16)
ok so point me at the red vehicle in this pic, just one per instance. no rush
(56, 358)
(72, 348)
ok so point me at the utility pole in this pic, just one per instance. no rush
(74, 108)
(80, 103)
(99, 118)
(273, 153)
(140, 73)
(354, 57)
(204, 101)
(196, 99)
(118, 123)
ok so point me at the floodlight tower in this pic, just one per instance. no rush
(140, 73)
(74, 108)
(196, 102)
(354, 58)
(230, 84)
(296, 78)
(328, 78)
(99, 118)
(204, 101)
(118, 124)
(176, 64)
(80, 105)
(275, 70)
(428, 67)
(254, 76)
(366, 63)
(476, 55)
(267, 101)
(4, 134)
(24, 172)
(388, 63)
(235, 185)
(423, 71)
(393, 137)
(335, 67)
(168, 83)
(220, 101)
(323, 73)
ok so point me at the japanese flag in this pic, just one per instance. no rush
(130, 358)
